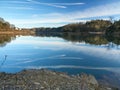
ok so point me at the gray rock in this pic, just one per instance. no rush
(48, 80)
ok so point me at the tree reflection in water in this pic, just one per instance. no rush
(4, 39)
(93, 39)
(108, 41)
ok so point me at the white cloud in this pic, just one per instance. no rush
(21, 8)
(16, 2)
(58, 5)
(68, 3)
(75, 16)
(102, 10)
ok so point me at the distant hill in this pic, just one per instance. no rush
(103, 27)
(90, 26)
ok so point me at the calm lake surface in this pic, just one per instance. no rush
(31, 52)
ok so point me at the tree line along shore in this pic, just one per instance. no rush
(106, 27)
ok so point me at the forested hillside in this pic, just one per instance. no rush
(90, 26)
(105, 27)
(5, 26)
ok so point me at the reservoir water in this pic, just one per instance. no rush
(60, 54)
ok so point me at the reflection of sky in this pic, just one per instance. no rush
(60, 44)
(45, 52)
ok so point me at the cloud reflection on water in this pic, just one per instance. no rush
(112, 69)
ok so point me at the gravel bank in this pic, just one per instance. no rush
(48, 80)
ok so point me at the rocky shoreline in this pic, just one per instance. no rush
(49, 80)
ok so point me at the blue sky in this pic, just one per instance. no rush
(55, 13)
